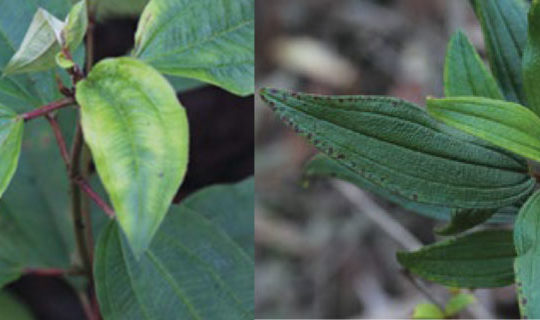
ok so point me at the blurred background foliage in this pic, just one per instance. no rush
(317, 254)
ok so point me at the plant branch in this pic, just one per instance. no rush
(46, 109)
(59, 139)
(85, 186)
(54, 272)
(90, 39)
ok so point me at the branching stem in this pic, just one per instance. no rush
(46, 109)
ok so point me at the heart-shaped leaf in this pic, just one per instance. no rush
(11, 132)
(397, 146)
(138, 134)
(464, 72)
(504, 25)
(477, 260)
(505, 124)
(209, 40)
(199, 265)
(526, 234)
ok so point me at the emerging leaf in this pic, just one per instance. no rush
(75, 26)
(197, 266)
(138, 134)
(63, 62)
(526, 235)
(211, 40)
(427, 311)
(458, 303)
(478, 260)
(397, 146)
(39, 47)
(504, 25)
(505, 124)
(464, 72)
(11, 132)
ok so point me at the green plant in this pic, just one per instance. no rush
(477, 175)
(151, 261)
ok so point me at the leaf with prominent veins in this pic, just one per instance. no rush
(11, 131)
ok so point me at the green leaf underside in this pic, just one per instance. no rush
(39, 47)
(396, 145)
(477, 260)
(531, 59)
(11, 131)
(194, 268)
(138, 134)
(24, 224)
(464, 72)
(505, 124)
(208, 40)
(11, 308)
(504, 25)
(526, 235)
(323, 166)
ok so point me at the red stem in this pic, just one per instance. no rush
(59, 139)
(52, 272)
(46, 109)
(94, 196)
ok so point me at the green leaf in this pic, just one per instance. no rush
(75, 26)
(531, 59)
(397, 146)
(64, 62)
(458, 303)
(477, 260)
(11, 308)
(504, 25)
(138, 134)
(11, 132)
(208, 40)
(505, 124)
(195, 268)
(106, 9)
(39, 47)
(184, 84)
(427, 311)
(464, 72)
(526, 233)
(465, 219)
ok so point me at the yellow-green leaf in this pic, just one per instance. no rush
(458, 303)
(505, 124)
(138, 134)
(427, 311)
(75, 26)
(11, 132)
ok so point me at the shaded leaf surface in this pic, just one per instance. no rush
(464, 72)
(531, 59)
(197, 266)
(464, 219)
(13, 309)
(504, 25)
(209, 40)
(11, 132)
(526, 236)
(505, 124)
(397, 146)
(138, 134)
(477, 260)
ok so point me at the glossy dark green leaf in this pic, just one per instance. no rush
(531, 59)
(39, 47)
(477, 260)
(11, 308)
(464, 72)
(526, 235)
(505, 124)
(397, 146)
(11, 132)
(208, 40)
(197, 266)
(138, 134)
(465, 219)
(504, 25)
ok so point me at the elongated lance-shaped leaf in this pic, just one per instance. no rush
(39, 47)
(138, 134)
(75, 26)
(11, 131)
(208, 40)
(531, 59)
(465, 219)
(526, 235)
(505, 124)
(199, 265)
(504, 25)
(396, 145)
(464, 72)
(477, 260)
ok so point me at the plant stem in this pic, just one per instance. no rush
(94, 196)
(90, 39)
(59, 139)
(46, 109)
(54, 272)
